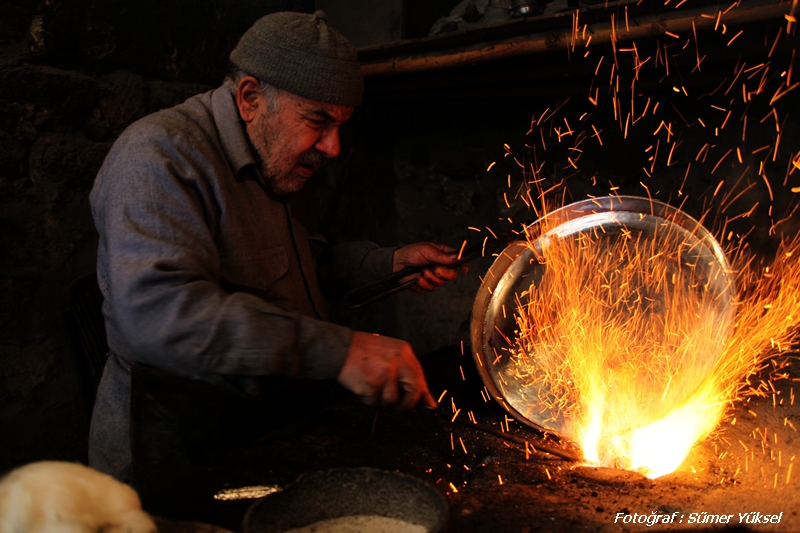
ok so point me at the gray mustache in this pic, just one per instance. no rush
(312, 158)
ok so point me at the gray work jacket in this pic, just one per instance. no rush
(205, 273)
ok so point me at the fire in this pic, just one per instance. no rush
(634, 337)
(636, 333)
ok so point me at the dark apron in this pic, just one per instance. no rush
(179, 425)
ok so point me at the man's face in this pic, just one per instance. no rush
(292, 142)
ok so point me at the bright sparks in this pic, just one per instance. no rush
(634, 336)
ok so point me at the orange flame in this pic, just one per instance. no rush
(637, 341)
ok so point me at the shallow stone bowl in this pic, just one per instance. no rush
(340, 492)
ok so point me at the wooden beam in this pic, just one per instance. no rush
(532, 43)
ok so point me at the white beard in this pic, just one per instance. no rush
(60, 497)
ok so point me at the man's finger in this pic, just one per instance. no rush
(443, 255)
(413, 386)
(434, 278)
(427, 401)
(442, 248)
(425, 284)
(369, 399)
(389, 394)
(445, 274)
(411, 397)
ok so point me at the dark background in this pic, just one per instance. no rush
(75, 73)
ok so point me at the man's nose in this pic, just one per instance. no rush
(328, 143)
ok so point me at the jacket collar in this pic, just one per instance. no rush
(233, 135)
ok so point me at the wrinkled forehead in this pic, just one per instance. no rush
(323, 110)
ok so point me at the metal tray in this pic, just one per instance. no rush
(516, 269)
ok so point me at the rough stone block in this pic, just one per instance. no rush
(123, 98)
(185, 40)
(48, 86)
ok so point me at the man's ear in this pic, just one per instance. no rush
(248, 98)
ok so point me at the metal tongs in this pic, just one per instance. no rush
(388, 285)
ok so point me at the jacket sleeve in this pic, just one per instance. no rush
(347, 266)
(159, 269)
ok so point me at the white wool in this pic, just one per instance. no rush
(361, 524)
(60, 497)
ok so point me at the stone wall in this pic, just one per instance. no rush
(365, 22)
(73, 74)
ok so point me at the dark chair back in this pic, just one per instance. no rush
(87, 332)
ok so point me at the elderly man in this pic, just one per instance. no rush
(210, 283)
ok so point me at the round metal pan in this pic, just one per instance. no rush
(516, 269)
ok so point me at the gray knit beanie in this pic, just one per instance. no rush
(299, 53)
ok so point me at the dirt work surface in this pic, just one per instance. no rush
(732, 482)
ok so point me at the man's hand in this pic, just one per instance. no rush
(428, 253)
(384, 370)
